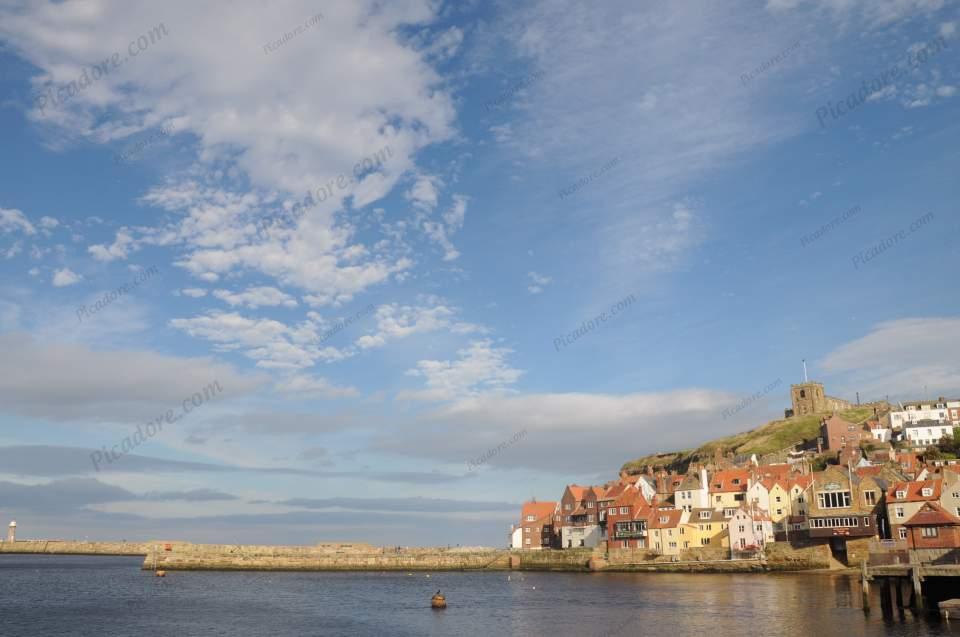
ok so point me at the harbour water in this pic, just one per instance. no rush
(44, 595)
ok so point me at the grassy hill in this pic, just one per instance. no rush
(769, 438)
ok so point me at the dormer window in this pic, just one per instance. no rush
(736, 480)
(663, 519)
(926, 492)
(531, 518)
(901, 495)
(705, 515)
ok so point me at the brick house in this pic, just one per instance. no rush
(839, 510)
(839, 434)
(904, 499)
(580, 526)
(536, 526)
(932, 527)
(627, 520)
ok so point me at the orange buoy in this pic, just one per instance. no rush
(438, 601)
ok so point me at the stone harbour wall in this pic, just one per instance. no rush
(167, 555)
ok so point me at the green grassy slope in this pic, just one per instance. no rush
(769, 438)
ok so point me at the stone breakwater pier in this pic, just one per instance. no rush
(172, 556)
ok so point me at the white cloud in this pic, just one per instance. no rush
(314, 387)
(537, 282)
(121, 247)
(12, 220)
(64, 277)
(901, 356)
(194, 292)
(42, 379)
(619, 427)
(256, 297)
(401, 321)
(424, 193)
(271, 343)
(370, 87)
(479, 368)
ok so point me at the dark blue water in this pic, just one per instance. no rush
(54, 595)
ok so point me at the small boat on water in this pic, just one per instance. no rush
(438, 601)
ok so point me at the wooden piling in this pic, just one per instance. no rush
(864, 587)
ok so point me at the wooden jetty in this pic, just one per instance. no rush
(894, 567)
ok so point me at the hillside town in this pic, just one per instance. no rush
(890, 478)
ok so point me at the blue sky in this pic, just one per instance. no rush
(686, 141)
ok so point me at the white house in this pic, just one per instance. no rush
(927, 432)
(750, 530)
(516, 537)
(879, 431)
(916, 411)
(573, 537)
(693, 492)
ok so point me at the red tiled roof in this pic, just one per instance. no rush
(802, 481)
(914, 491)
(537, 509)
(863, 472)
(722, 481)
(777, 471)
(932, 514)
(672, 518)
(577, 491)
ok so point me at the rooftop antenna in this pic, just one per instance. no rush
(804, 370)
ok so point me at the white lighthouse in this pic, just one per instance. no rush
(12, 532)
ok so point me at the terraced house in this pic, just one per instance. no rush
(843, 507)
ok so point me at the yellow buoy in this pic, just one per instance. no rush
(160, 573)
(438, 601)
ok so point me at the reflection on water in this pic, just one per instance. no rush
(51, 595)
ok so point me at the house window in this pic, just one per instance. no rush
(526, 529)
(717, 499)
(928, 531)
(663, 519)
(834, 500)
(898, 511)
(779, 511)
(704, 541)
(742, 528)
(589, 505)
(526, 541)
(870, 497)
(623, 510)
(566, 507)
(705, 515)
(589, 518)
(926, 492)
(531, 518)
(778, 498)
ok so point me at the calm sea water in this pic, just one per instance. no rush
(54, 595)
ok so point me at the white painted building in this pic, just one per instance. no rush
(921, 410)
(693, 492)
(516, 538)
(750, 530)
(926, 433)
(574, 537)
